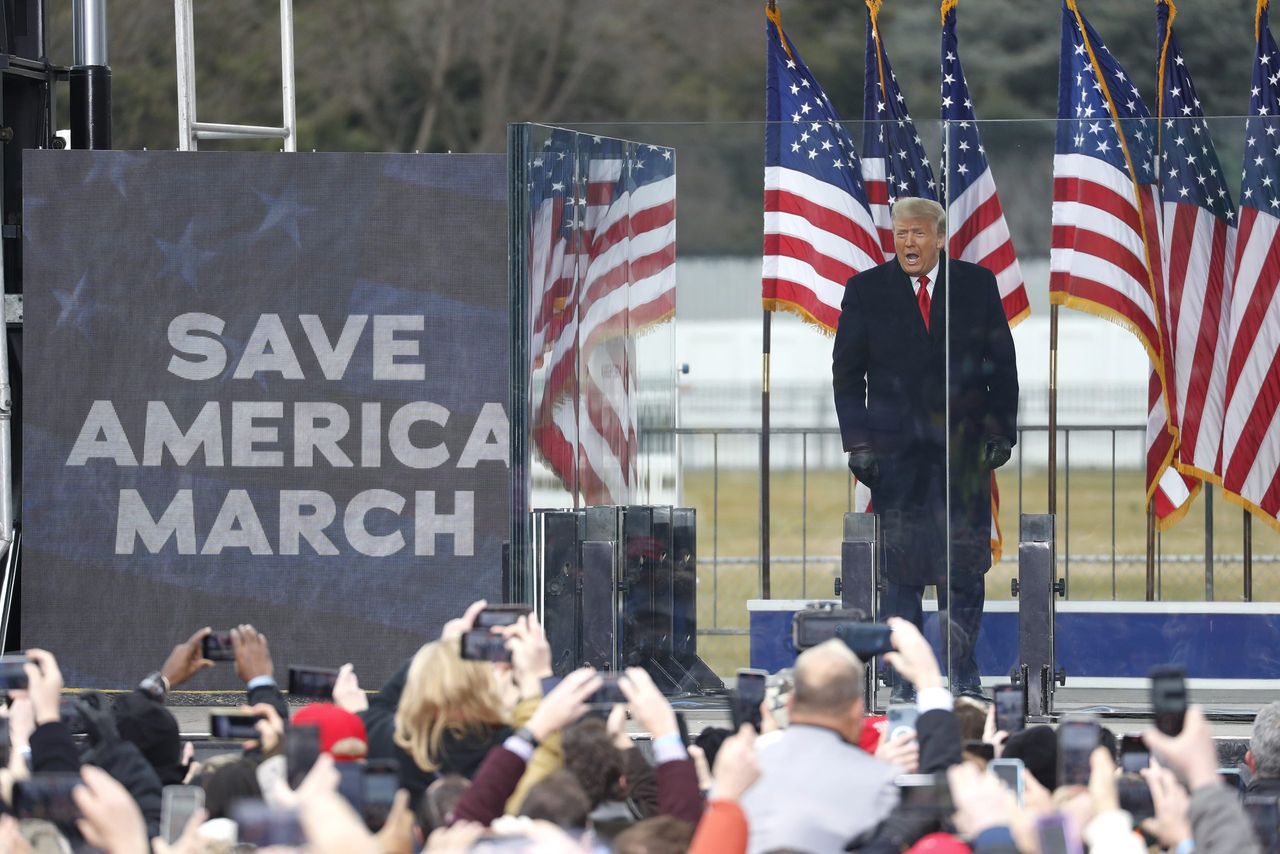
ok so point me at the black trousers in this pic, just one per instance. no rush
(960, 610)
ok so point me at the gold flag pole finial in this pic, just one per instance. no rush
(1164, 52)
(772, 13)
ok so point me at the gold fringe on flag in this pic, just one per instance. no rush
(1257, 18)
(947, 6)
(771, 12)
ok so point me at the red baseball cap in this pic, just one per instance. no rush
(342, 734)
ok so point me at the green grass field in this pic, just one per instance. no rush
(728, 528)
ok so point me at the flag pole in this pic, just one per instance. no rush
(766, 347)
(1053, 409)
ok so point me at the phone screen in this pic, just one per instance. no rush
(1134, 755)
(301, 747)
(380, 785)
(312, 681)
(216, 646)
(500, 615)
(608, 693)
(13, 674)
(1010, 708)
(747, 697)
(177, 805)
(901, 718)
(261, 825)
(1052, 831)
(1168, 699)
(1076, 742)
(1135, 797)
(1009, 772)
(866, 639)
(483, 645)
(233, 725)
(46, 796)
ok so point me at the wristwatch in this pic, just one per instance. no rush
(525, 734)
(155, 686)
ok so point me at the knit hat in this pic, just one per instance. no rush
(1037, 747)
(154, 730)
(342, 734)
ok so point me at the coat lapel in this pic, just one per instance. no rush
(938, 307)
(905, 286)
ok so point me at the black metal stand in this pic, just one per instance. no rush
(618, 588)
(859, 578)
(1036, 589)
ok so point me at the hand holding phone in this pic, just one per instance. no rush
(1168, 699)
(747, 696)
(234, 725)
(501, 615)
(867, 640)
(47, 796)
(483, 645)
(1011, 708)
(177, 805)
(312, 681)
(380, 783)
(301, 749)
(1010, 772)
(1077, 739)
(216, 646)
(1134, 755)
(13, 672)
(900, 719)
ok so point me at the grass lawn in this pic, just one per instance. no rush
(728, 528)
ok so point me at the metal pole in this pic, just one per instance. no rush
(1151, 553)
(1248, 556)
(1208, 542)
(90, 77)
(1053, 410)
(765, 585)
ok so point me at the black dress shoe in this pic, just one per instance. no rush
(973, 692)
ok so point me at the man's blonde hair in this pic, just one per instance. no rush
(912, 207)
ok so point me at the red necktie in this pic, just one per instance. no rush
(922, 297)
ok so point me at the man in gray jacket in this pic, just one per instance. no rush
(818, 790)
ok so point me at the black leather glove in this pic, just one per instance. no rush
(864, 465)
(998, 450)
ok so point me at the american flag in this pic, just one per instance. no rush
(1104, 255)
(978, 231)
(1197, 241)
(817, 226)
(615, 251)
(1251, 433)
(893, 159)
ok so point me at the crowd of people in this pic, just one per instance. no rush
(501, 756)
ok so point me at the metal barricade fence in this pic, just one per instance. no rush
(730, 456)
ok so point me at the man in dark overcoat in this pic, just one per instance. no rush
(890, 376)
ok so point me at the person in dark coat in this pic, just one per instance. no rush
(890, 378)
